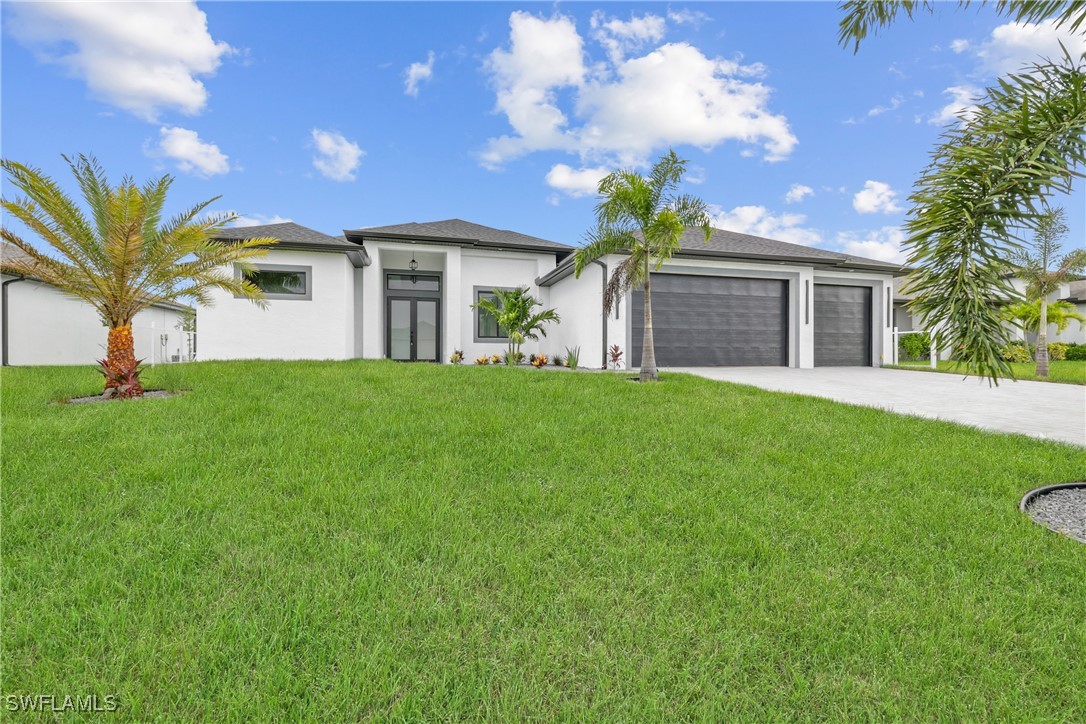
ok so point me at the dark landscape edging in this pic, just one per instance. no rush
(1038, 492)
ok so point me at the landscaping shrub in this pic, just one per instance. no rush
(484, 360)
(1057, 351)
(539, 360)
(1076, 352)
(914, 346)
(1015, 352)
(457, 357)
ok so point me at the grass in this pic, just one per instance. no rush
(367, 540)
(1073, 373)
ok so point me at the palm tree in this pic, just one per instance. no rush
(513, 309)
(1027, 316)
(989, 179)
(123, 258)
(1042, 281)
(643, 217)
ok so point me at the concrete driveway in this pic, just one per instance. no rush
(1040, 409)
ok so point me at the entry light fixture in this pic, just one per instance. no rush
(413, 265)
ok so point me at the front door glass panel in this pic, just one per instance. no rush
(399, 321)
(426, 330)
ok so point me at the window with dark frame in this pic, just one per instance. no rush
(271, 281)
(488, 326)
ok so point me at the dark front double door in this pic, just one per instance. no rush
(413, 328)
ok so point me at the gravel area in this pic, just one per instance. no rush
(1064, 511)
(91, 399)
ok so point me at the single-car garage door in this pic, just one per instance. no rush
(842, 326)
(702, 321)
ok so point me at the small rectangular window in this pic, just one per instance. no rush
(282, 281)
(488, 326)
(413, 282)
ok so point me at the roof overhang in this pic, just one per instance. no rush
(566, 268)
(359, 236)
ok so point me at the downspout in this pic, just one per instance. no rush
(4, 313)
(604, 296)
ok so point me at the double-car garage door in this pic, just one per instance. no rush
(706, 321)
(702, 321)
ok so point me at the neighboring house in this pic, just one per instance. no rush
(1074, 292)
(405, 292)
(40, 325)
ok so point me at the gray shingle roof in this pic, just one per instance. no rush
(458, 230)
(287, 232)
(732, 243)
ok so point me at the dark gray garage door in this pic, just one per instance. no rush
(842, 326)
(701, 321)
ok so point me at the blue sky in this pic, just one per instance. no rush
(342, 115)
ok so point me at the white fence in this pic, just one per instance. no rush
(158, 345)
(933, 353)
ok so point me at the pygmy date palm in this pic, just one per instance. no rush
(514, 311)
(643, 217)
(122, 258)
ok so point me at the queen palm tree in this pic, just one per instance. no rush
(122, 258)
(513, 310)
(644, 217)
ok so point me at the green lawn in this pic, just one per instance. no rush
(367, 540)
(1063, 371)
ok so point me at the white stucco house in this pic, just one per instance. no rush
(40, 325)
(405, 292)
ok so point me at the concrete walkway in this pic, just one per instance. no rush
(1040, 409)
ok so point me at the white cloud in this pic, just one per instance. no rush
(960, 45)
(142, 57)
(543, 55)
(883, 244)
(619, 37)
(962, 103)
(417, 73)
(1015, 45)
(190, 153)
(687, 16)
(798, 192)
(575, 182)
(696, 100)
(336, 158)
(760, 221)
(875, 197)
(257, 219)
(893, 105)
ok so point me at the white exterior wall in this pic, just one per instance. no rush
(47, 327)
(580, 302)
(319, 328)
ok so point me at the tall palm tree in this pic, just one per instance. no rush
(122, 258)
(513, 310)
(644, 217)
(1043, 269)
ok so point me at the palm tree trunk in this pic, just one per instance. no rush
(649, 373)
(120, 365)
(1042, 340)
